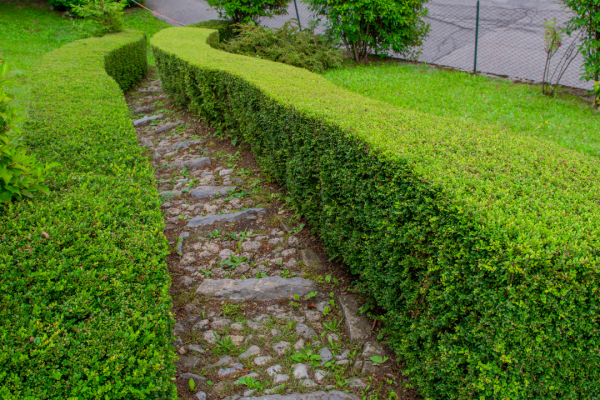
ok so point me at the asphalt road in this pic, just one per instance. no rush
(511, 41)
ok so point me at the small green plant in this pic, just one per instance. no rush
(251, 383)
(285, 274)
(231, 309)
(379, 359)
(233, 261)
(333, 325)
(307, 356)
(192, 385)
(215, 234)
(260, 274)
(297, 229)
(224, 345)
(311, 295)
(107, 14)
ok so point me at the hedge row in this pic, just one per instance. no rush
(84, 287)
(481, 245)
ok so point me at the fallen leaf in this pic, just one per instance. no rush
(45, 235)
(312, 305)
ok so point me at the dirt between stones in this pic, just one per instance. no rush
(294, 344)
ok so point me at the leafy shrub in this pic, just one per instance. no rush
(84, 285)
(288, 45)
(375, 26)
(107, 14)
(481, 245)
(248, 10)
(20, 174)
(68, 4)
(585, 16)
(224, 27)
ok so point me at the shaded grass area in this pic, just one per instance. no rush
(566, 119)
(30, 31)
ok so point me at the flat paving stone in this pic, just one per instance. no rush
(146, 120)
(144, 110)
(178, 146)
(167, 127)
(330, 395)
(187, 362)
(211, 191)
(188, 375)
(310, 259)
(357, 326)
(249, 214)
(305, 331)
(262, 289)
(190, 164)
(153, 90)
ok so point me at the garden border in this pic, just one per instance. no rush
(84, 286)
(481, 245)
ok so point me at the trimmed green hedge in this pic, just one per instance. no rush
(225, 28)
(84, 286)
(481, 245)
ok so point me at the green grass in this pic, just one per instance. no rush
(30, 31)
(567, 120)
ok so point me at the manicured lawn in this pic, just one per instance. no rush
(567, 120)
(29, 32)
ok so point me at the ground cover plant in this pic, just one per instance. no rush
(30, 31)
(479, 243)
(83, 282)
(564, 119)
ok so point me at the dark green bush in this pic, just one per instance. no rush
(20, 174)
(107, 14)
(288, 45)
(84, 285)
(481, 245)
(238, 11)
(68, 4)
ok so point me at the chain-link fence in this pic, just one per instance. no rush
(510, 40)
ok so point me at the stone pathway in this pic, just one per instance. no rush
(258, 313)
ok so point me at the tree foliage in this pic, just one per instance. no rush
(586, 17)
(107, 14)
(375, 26)
(242, 11)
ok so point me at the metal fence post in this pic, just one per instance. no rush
(476, 39)
(298, 15)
